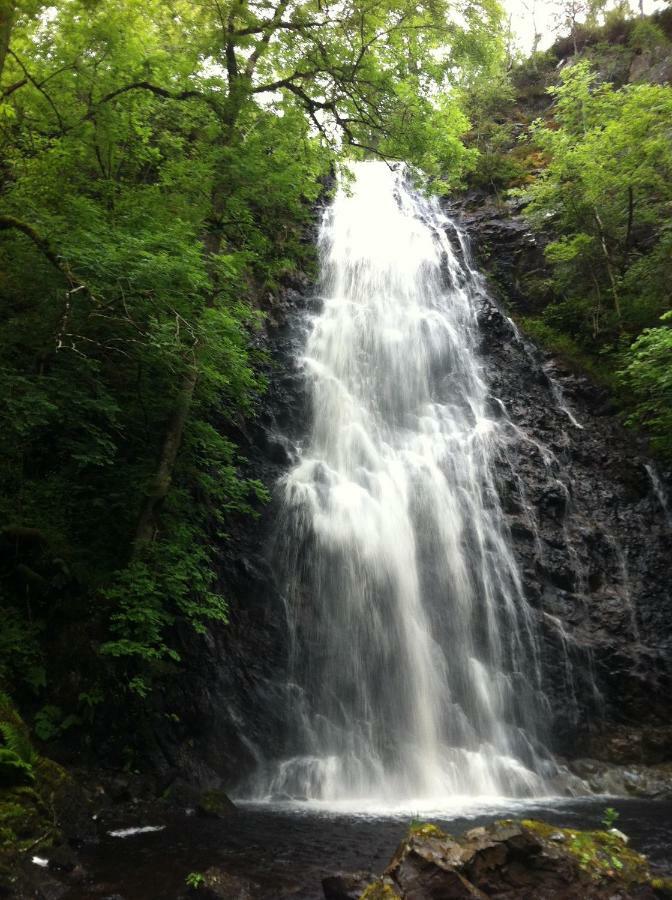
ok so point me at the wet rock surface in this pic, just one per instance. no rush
(346, 886)
(653, 782)
(587, 525)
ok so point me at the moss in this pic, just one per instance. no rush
(25, 824)
(28, 815)
(599, 853)
(426, 829)
(379, 891)
(542, 829)
(662, 887)
(214, 803)
(50, 777)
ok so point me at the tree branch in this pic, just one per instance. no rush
(38, 86)
(43, 245)
(263, 43)
(9, 90)
(295, 26)
(157, 90)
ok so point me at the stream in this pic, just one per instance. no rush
(285, 850)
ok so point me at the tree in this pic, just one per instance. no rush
(568, 15)
(160, 163)
(605, 188)
(606, 195)
(648, 374)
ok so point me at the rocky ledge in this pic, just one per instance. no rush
(525, 860)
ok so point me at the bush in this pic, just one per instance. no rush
(646, 35)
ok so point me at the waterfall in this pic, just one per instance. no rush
(414, 664)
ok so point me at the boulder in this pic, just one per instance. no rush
(525, 860)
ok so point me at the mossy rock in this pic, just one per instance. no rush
(533, 857)
(426, 829)
(25, 824)
(215, 804)
(662, 887)
(31, 817)
(380, 890)
(599, 853)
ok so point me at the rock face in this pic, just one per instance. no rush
(522, 860)
(586, 520)
(649, 782)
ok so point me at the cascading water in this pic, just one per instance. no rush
(415, 672)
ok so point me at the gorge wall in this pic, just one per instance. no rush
(596, 569)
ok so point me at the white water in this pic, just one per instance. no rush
(559, 397)
(416, 678)
(659, 491)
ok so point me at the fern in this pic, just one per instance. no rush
(15, 733)
(16, 739)
(13, 768)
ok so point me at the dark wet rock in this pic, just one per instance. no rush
(346, 885)
(69, 804)
(215, 805)
(587, 529)
(647, 782)
(62, 859)
(50, 889)
(119, 787)
(525, 860)
(228, 706)
(634, 745)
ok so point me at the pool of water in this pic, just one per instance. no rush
(285, 850)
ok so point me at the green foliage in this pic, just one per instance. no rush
(648, 375)
(488, 100)
(50, 722)
(606, 194)
(194, 880)
(646, 35)
(17, 755)
(13, 769)
(160, 166)
(562, 344)
(610, 817)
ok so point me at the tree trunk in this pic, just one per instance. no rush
(7, 11)
(147, 524)
(609, 264)
(239, 87)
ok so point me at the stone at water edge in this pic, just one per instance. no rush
(215, 804)
(647, 782)
(346, 885)
(514, 860)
